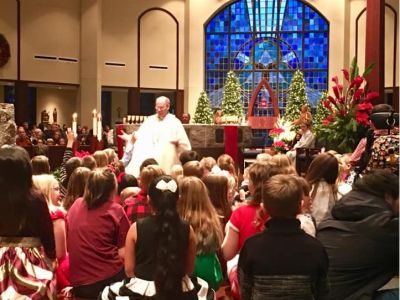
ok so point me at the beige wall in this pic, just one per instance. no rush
(389, 45)
(119, 40)
(50, 28)
(8, 27)
(158, 48)
(64, 100)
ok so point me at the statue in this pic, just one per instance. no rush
(44, 117)
(55, 115)
(218, 117)
(305, 116)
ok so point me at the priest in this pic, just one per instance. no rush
(161, 137)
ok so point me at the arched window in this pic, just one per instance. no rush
(273, 37)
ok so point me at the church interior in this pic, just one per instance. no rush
(281, 99)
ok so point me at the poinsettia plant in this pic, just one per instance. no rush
(280, 147)
(283, 130)
(349, 109)
(282, 134)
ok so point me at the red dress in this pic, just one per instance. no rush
(62, 271)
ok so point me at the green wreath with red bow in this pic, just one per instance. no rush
(4, 50)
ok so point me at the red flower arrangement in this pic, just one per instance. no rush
(275, 132)
(279, 146)
(348, 110)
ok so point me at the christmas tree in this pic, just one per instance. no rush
(203, 113)
(231, 103)
(296, 97)
(321, 113)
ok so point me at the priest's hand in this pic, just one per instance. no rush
(176, 143)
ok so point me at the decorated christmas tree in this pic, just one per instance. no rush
(296, 97)
(321, 113)
(203, 113)
(231, 104)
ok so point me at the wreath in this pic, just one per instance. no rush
(4, 50)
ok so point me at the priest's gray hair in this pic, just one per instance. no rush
(163, 99)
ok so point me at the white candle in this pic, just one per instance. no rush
(123, 120)
(99, 127)
(94, 124)
(75, 124)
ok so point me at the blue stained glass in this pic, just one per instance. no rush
(241, 51)
(315, 50)
(247, 83)
(292, 16)
(240, 17)
(217, 54)
(266, 15)
(220, 23)
(313, 20)
(291, 49)
(267, 38)
(266, 51)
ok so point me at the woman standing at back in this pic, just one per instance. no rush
(25, 226)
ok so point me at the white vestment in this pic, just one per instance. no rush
(153, 140)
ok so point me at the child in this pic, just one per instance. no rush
(97, 229)
(246, 220)
(283, 262)
(49, 186)
(322, 176)
(207, 163)
(217, 186)
(195, 207)
(76, 186)
(26, 230)
(160, 252)
(137, 206)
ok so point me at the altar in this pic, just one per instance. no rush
(212, 140)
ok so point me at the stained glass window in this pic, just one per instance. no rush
(273, 37)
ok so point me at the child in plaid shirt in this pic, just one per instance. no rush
(137, 207)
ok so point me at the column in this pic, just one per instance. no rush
(91, 61)
(375, 47)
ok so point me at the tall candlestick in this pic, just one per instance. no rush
(94, 124)
(99, 127)
(75, 124)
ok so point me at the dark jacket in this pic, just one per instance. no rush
(361, 239)
(283, 262)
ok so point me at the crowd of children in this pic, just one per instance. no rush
(98, 232)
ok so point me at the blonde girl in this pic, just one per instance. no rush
(195, 207)
(48, 185)
(101, 159)
(283, 162)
